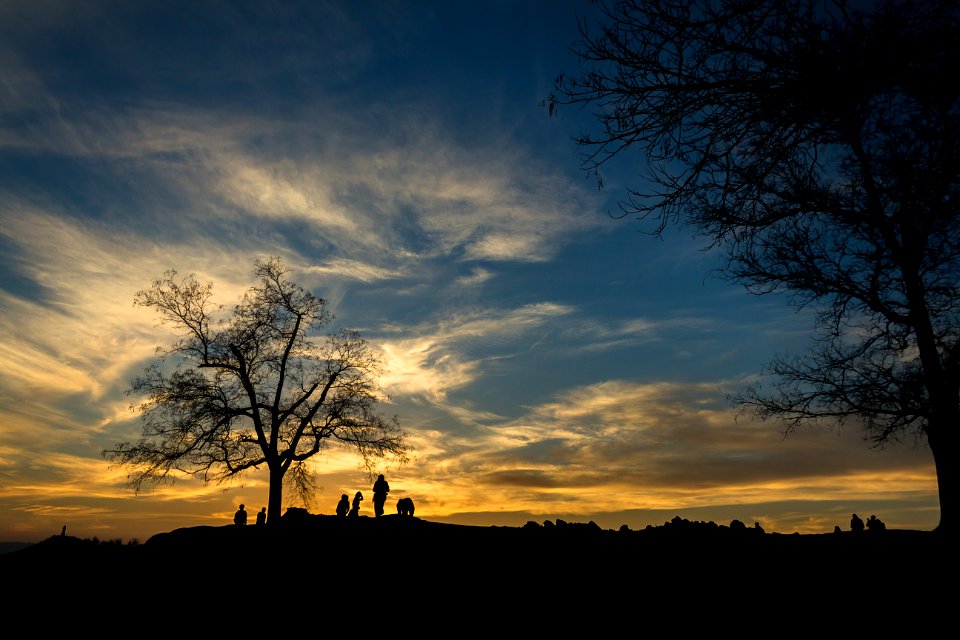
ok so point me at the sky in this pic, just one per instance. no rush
(546, 358)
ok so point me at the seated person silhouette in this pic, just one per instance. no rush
(875, 524)
(856, 524)
(240, 517)
(262, 516)
(343, 506)
(405, 506)
(356, 504)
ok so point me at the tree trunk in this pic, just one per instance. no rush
(942, 392)
(941, 436)
(275, 499)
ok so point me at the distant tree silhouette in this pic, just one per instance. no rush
(819, 146)
(252, 388)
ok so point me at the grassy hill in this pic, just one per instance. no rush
(574, 569)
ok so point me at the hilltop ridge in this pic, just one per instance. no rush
(571, 569)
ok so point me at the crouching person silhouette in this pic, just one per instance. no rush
(357, 499)
(405, 506)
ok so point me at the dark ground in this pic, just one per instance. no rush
(533, 578)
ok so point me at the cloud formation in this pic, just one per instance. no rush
(664, 445)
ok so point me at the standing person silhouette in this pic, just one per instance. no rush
(240, 517)
(380, 491)
(262, 516)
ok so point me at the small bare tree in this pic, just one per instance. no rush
(253, 389)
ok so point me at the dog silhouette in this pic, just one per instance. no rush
(405, 506)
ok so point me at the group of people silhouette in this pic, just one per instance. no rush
(380, 490)
(240, 517)
(343, 507)
(873, 524)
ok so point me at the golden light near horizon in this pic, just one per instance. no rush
(482, 470)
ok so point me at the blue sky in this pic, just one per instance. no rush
(546, 359)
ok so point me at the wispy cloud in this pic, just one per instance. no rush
(457, 202)
(351, 270)
(478, 275)
(436, 359)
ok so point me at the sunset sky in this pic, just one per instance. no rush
(546, 359)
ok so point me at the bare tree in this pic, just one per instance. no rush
(253, 388)
(818, 144)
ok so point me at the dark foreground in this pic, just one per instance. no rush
(539, 577)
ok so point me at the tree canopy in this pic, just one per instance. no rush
(253, 388)
(817, 144)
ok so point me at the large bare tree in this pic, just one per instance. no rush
(252, 388)
(817, 142)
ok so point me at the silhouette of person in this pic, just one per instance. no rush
(357, 498)
(240, 517)
(262, 516)
(875, 524)
(380, 491)
(343, 506)
(856, 524)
